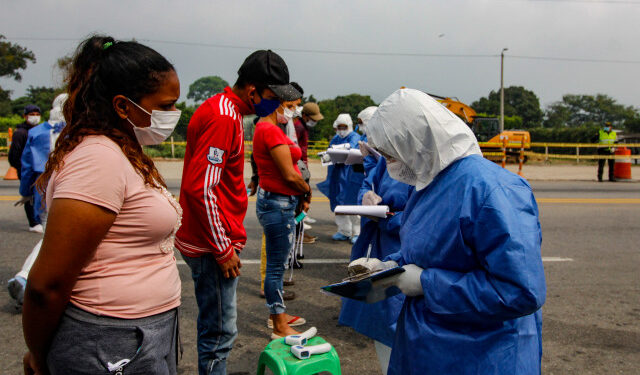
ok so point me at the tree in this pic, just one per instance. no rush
(518, 101)
(206, 87)
(13, 58)
(331, 108)
(180, 132)
(40, 96)
(63, 65)
(579, 110)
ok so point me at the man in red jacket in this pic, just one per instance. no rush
(214, 198)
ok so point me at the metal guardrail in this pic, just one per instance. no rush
(5, 146)
(319, 146)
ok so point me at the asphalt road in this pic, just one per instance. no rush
(591, 233)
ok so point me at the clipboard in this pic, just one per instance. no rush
(360, 289)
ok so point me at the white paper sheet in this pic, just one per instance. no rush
(376, 211)
(338, 156)
(354, 157)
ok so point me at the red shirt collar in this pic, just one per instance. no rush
(242, 106)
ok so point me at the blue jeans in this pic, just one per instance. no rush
(276, 213)
(216, 298)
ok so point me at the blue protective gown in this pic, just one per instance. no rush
(378, 320)
(476, 233)
(343, 183)
(370, 161)
(34, 158)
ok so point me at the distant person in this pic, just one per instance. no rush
(344, 181)
(470, 243)
(282, 191)
(103, 294)
(309, 116)
(40, 142)
(363, 118)
(32, 116)
(606, 138)
(214, 199)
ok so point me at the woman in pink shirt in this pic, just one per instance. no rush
(102, 295)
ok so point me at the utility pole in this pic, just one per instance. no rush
(502, 89)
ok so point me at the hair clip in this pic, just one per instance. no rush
(107, 45)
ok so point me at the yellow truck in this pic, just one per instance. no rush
(487, 129)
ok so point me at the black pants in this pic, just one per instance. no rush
(28, 209)
(605, 151)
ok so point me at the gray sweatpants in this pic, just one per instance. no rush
(89, 344)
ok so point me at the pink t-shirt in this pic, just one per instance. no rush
(129, 276)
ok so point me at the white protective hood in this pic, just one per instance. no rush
(365, 114)
(419, 131)
(55, 115)
(345, 119)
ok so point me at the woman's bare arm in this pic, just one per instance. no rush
(74, 231)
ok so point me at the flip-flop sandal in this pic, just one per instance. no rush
(294, 322)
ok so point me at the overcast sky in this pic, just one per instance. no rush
(577, 29)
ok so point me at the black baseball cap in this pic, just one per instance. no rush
(267, 67)
(31, 108)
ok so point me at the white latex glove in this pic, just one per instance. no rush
(363, 150)
(371, 199)
(362, 265)
(325, 158)
(23, 200)
(409, 281)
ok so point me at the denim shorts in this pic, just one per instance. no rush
(276, 213)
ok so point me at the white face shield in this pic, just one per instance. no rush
(415, 129)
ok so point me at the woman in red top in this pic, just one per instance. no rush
(281, 191)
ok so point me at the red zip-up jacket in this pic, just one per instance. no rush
(213, 195)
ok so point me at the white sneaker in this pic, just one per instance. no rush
(306, 226)
(309, 220)
(37, 229)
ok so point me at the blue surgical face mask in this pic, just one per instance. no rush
(266, 106)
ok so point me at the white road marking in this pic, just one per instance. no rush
(556, 259)
(345, 261)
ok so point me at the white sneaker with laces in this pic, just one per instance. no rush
(306, 226)
(37, 229)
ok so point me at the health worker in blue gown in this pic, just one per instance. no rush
(378, 320)
(363, 117)
(41, 141)
(343, 181)
(470, 246)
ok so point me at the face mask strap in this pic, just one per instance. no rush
(137, 105)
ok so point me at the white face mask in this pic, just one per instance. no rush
(286, 116)
(342, 133)
(33, 120)
(298, 112)
(311, 123)
(399, 171)
(162, 125)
